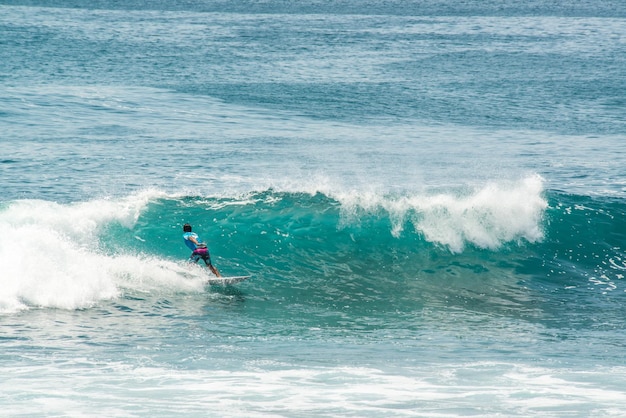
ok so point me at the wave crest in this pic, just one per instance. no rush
(487, 217)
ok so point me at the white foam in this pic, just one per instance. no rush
(50, 255)
(267, 389)
(41, 267)
(486, 217)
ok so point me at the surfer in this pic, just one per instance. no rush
(200, 250)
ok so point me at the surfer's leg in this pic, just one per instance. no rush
(214, 270)
(207, 261)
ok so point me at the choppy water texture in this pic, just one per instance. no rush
(429, 197)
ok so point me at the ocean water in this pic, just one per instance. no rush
(430, 197)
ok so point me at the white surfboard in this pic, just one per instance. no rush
(226, 280)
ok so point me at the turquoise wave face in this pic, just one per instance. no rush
(316, 250)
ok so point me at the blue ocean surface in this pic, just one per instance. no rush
(430, 197)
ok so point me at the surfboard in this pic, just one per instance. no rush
(226, 280)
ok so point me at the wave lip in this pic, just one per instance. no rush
(486, 218)
(492, 216)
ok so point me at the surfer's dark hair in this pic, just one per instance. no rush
(187, 228)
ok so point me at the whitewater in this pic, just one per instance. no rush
(429, 197)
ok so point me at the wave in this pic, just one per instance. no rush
(316, 247)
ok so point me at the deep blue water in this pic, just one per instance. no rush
(429, 197)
